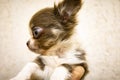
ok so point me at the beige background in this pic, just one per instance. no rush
(99, 30)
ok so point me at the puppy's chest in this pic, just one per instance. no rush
(70, 57)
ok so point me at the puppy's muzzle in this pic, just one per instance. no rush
(31, 44)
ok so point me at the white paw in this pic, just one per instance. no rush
(60, 73)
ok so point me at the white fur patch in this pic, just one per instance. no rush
(60, 73)
(69, 57)
(44, 74)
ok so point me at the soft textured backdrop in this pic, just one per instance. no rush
(99, 30)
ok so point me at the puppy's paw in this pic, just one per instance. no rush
(60, 73)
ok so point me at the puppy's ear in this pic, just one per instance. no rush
(67, 9)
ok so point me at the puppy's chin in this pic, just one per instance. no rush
(35, 48)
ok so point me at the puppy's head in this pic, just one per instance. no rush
(52, 25)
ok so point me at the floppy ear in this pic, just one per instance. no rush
(67, 9)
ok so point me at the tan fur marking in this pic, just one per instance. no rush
(77, 73)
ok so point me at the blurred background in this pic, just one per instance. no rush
(98, 29)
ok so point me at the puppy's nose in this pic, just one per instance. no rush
(27, 43)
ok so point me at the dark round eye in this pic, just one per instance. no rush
(37, 32)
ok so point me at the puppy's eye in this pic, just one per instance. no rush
(37, 31)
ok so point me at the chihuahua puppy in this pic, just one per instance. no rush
(60, 56)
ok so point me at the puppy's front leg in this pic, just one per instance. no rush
(61, 73)
(26, 72)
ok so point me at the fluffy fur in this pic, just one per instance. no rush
(61, 57)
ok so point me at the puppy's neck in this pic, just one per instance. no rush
(60, 48)
(64, 46)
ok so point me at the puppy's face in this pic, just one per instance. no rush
(52, 25)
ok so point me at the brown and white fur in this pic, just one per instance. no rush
(60, 56)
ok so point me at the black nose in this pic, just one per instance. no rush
(27, 43)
